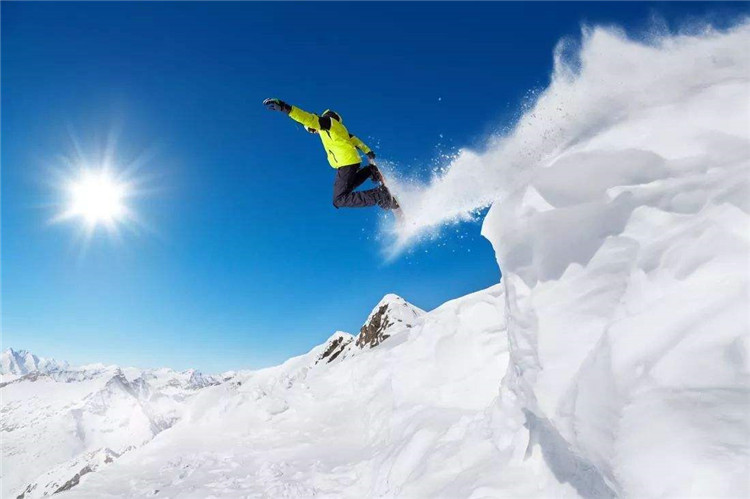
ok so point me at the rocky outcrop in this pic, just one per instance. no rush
(335, 346)
(374, 331)
(391, 315)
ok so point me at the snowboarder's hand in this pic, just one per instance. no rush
(371, 157)
(277, 105)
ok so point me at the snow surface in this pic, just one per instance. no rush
(404, 418)
(612, 360)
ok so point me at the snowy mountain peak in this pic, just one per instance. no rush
(392, 300)
(196, 379)
(390, 315)
(335, 346)
(20, 362)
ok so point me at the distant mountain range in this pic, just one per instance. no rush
(20, 362)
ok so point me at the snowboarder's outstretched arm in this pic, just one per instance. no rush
(314, 123)
(308, 120)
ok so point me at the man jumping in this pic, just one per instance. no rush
(343, 155)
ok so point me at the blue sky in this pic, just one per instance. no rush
(245, 262)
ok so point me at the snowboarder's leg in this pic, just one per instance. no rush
(349, 178)
(363, 173)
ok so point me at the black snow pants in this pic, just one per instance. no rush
(349, 178)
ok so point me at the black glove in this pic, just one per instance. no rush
(371, 156)
(277, 105)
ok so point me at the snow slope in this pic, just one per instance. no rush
(57, 422)
(402, 418)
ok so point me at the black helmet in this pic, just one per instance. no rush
(330, 113)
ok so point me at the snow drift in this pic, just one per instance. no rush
(620, 220)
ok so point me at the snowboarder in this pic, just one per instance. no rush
(343, 155)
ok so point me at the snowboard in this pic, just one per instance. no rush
(397, 212)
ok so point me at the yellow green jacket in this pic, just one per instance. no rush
(341, 146)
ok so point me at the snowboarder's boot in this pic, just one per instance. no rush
(388, 201)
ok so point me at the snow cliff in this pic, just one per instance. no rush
(625, 260)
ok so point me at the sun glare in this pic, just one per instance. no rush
(96, 192)
(97, 198)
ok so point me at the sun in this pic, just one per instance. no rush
(98, 193)
(97, 198)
